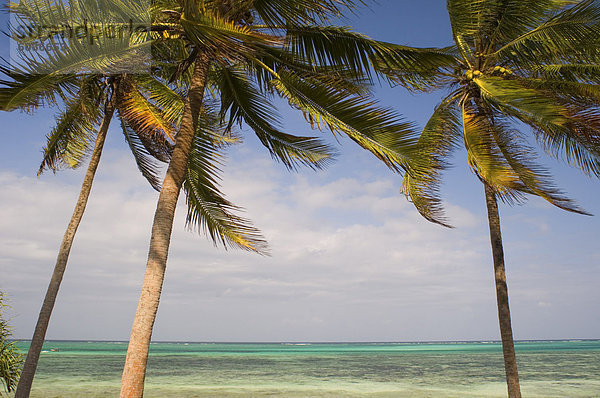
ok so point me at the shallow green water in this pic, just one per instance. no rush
(474, 369)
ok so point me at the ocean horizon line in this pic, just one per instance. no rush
(488, 341)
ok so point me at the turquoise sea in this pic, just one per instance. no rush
(439, 370)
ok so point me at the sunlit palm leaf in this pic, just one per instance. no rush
(376, 129)
(298, 12)
(521, 159)
(213, 32)
(441, 135)
(145, 119)
(464, 20)
(145, 161)
(484, 157)
(208, 210)
(574, 32)
(74, 134)
(559, 126)
(23, 90)
(583, 73)
(244, 103)
(505, 20)
(512, 93)
(169, 102)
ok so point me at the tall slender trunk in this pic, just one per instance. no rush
(134, 371)
(37, 341)
(508, 346)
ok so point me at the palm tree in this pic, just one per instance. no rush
(515, 64)
(69, 143)
(238, 51)
(90, 102)
(148, 111)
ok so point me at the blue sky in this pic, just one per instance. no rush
(351, 259)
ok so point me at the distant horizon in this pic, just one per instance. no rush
(317, 342)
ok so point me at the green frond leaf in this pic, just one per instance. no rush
(379, 130)
(567, 90)
(169, 101)
(572, 33)
(484, 157)
(339, 47)
(208, 210)
(511, 93)
(332, 46)
(214, 32)
(419, 69)
(244, 103)
(11, 360)
(464, 20)
(504, 20)
(299, 12)
(146, 163)
(521, 159)
(30, 91)
(73, 136)
(145, 119)
(577, 142)
(574, 72)
(439, 137)
(564, 128)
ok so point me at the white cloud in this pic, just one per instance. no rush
(351, 260)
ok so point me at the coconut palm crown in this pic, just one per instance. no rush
(519, 67)
(516, 63)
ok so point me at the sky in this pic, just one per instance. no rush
(351, 259)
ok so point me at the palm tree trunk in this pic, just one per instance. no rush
(508, 346)
(134, 371)
(37, 341)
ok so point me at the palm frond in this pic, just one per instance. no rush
(208, 210)
(244, 103)
(504, 20)
(11, 359)
(571, 72)
(146, 119)
(103, 56)
(169, 101)
(73, 136)
(565, 89)
(417, 69)
(145, 161)
(465, 23)
(299, 12)
(562, 127)
(485, 157)
(379, 130)
(27, 91)
(331, 46)
(521, 159)
(220, 35)
(42, 18)
(577, 141)
(573, 33)
(439, 137)
(512, 93)
(339, 47)
(265, 65)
